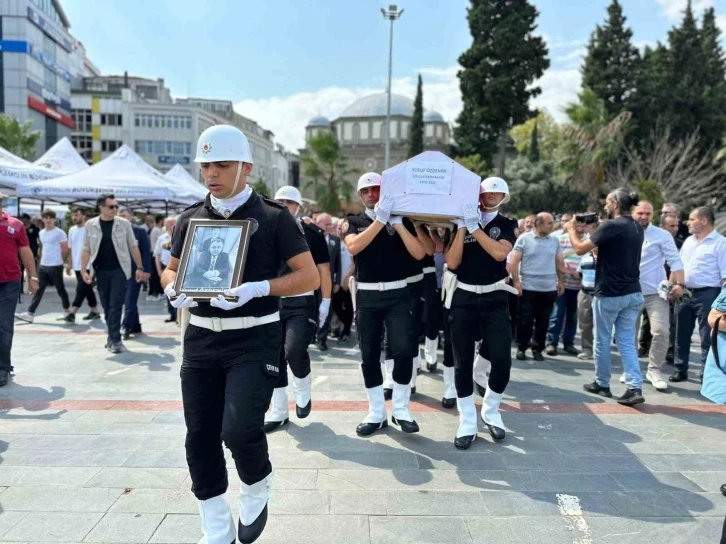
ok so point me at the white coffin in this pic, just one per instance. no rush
(430, 187)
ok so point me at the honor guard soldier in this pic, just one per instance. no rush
(300, 319)
(381, 246)
(476, 296)
(231, 348)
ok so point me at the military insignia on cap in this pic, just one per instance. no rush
(344, 226)
(254, 225)
(206, 148)
(494, 233)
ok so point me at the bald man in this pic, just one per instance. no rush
(325, 222)
(537, 269)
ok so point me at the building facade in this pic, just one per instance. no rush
(361, 132)
(38, 62)
(110, 111)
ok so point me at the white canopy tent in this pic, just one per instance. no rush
(15, 171)
(123, 174)
(183, 182)
(62, 158)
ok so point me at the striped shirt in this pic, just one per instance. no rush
(572, 260)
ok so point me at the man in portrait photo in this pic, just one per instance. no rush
(212, 268)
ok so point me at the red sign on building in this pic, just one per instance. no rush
(43, 108)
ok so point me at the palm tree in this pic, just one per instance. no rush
(325, 167)
(17, 138)
(592, 142)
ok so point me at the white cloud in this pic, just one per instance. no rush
(673, 9)
(287, 116)
(721, 22)
(573, 58)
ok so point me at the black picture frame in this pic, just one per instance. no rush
(211, 261)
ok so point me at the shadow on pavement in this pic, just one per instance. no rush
(31, 399)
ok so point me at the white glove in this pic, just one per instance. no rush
(383, 209)
(323, 311)
(471, 217)
(245, 293)
(459, 223)
(395, 220)
(182, 301)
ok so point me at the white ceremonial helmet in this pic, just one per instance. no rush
(495, 185)
(223, 143)
(371, 179)
(289, 193)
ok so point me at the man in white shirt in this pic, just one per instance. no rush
(54, 252)
(658, 249)
(704, 262)
(84, 291)
(162, 254)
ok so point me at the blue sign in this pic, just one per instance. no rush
(14, 46)
(172, 159)
(49, 29)
(49, 63)
(49, 96)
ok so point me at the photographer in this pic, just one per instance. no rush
(617, 296)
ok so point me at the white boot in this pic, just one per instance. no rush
(302, 388)
(401, 414)
(449, 384)
(217, 523)
(388, 381)
(482, 367)
(467, 416)
(278, 406)
(253, 509)
(376, 418)
(430, 350)
(490, 414)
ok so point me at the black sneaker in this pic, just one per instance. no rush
(343, 338)
(70, 318)
(642, 352)
(631, 397)
(537, 356)
(572, 350)
(4, 377)
(595, 388)
(92, 315)
(551, 350)
(521, 356)
(322, 345)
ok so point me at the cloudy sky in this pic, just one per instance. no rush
(286, 61)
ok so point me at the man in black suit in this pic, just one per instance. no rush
(325, 222)
(212, 268)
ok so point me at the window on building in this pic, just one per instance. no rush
(81, 120)
(356, 131)
(110, 145)
(162, 147)
(157, 121)
(111, 119)
(84, 146)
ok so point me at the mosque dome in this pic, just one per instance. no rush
(319, 121)
(433, 117)
(376, 105)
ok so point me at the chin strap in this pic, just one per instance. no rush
(236, 181)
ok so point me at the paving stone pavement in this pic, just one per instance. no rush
(92, 450)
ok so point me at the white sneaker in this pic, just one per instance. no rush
(622, 378)
(656, 380)
(25, 316)
(585, 356)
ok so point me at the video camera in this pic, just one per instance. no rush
(587, 218)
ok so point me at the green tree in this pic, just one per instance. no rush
(18, 138)
(261, 188)
(549, 136)
(537, 187)
(533, 151)
(498, 72)
(593, 143)
(652, 99)
(712, 121)
(416, 142)
(475, 164)
(612, 63)
(325, 167)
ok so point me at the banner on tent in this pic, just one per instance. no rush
(118, 192)
(24, 175)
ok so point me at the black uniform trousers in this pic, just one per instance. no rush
(298, 317)
(484, 316)
(342, 306)
(227, 380)
(390, 309)
(432, 306)
(416, 307)
(448, 349)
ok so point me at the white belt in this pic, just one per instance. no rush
(481, 289)
(429, 270)
(415, 279)
(308, 294)
(219, 324)
(382, 286)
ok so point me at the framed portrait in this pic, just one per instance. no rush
(213, 257)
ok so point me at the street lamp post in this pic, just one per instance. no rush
(392, 14)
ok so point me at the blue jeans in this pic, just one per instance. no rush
(112, 291)
(565, 312)
(622, 313)
(9, 292)
(131, 321)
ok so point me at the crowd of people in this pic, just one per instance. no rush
(472, 286)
